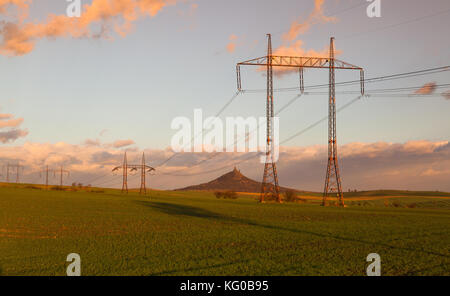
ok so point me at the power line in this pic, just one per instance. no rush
(373, 79)
(395, 25)
(370, 93)
(366, 80)
(201, 133)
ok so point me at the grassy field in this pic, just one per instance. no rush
(193, 233)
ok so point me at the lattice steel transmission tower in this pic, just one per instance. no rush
(62, 172)
(269, 188)
(332, 178)
(46, 171)
(18, 167)
(331, 64)
(124, 168)
(134, 167)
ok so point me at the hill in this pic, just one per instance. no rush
(233, 180)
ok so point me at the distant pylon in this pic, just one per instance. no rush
(143, 189)
(270, 188)
(46, 170)
(125, 174)
(7, 173)
(17, 167)
(46, 177)
(332, 179)
(61, 174)
(134, 167)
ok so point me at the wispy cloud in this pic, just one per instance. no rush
(11, 122)
(103, 132)
(19, 36)
(426, 89)
(123, 143)
(294, 46)
(8, 122)
(299, 27)
(231, 46)
(12, 135)
(91, 142)
(5, 116)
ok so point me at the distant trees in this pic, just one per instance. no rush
(75, 184)
(226, 194)
(290, 196)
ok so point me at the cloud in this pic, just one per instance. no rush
(231, 46)
(106, 158)
(7, 121)
(123, 143)
(90, 142)
(12, 135)
(293, 46)
(11, 122)
(315, 17)
(414, 165)
(5, 116)
(296, 49)
(19, 36)
(426, 89)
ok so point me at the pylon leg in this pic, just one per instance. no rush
(269, 187)
(332, 180)
(143, 190)
(125, 174)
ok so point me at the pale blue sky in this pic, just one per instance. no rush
(71, 89)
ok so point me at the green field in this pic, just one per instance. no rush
(193, 233)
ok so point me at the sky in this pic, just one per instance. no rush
(79, 92)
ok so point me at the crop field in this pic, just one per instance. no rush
(194, 233)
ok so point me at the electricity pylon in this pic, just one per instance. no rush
(143, 170)
(134, 167)
(7, 172)
(125, 174)
(46, 176)
(332, 178)
(61, 171)
(46, 171)
(124, 168)
(330, 63)
(14, 166)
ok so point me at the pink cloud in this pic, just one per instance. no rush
(12, 135)
(11, 122)
(414, 165)
(426, 89)
(231, 46)
(19, 36)
(123, 143)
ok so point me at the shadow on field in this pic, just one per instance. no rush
(183, 210)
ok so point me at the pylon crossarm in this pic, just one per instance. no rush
(299, 62)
